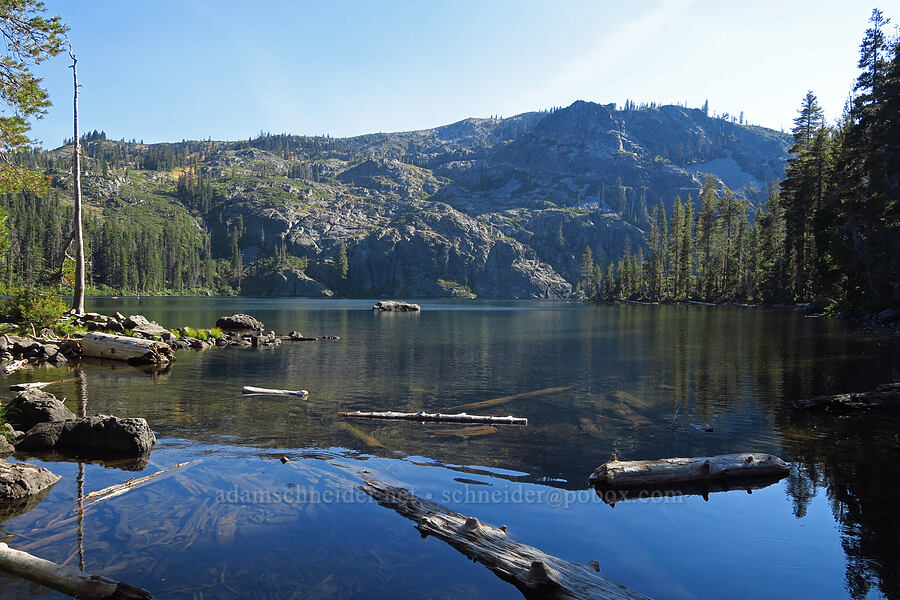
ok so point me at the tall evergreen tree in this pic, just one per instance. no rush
(802, 191)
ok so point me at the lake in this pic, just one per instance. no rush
(640, 381)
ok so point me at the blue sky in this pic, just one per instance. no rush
(173, 70)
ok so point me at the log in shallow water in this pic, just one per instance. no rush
(633, 473)
(67, 580)
(885, 395)
(249, 389)
(130, 349)
(535, 573)
(445, 418)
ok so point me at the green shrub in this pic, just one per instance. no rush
(41, 307)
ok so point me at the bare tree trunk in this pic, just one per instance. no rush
(78, 295)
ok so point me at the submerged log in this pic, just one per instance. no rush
(885, 395)
(635, 473)
(249, 389)
(130, 349)
(535, 573)
(424, 416)
(67, 580)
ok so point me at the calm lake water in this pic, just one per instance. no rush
(641, 381)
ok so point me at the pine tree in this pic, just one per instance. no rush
(802, 193)
(342, 264)
(29, 40)
(705, 231)
(586, 272)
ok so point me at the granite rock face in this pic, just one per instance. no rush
(495, 207)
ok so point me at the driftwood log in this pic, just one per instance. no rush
(249, 389)
(535, 573)
(21, 387)
(67, 580)
(13, 366)
(883, 396)
(131, 349)
(444, 418)
(636, 473)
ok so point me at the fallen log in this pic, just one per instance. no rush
(13, 366)
(613, 495)
(130, 349)
(132, 484)
(634, 473)
(67, 580)
(535, 573)
(424, 416)
(21, 387)
(504, 399)
(248, 389)
(885, 395)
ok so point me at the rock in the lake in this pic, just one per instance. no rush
(396, 306)
(19, 481)
(239, 322)
(36, 406)
(97, 436)
(6, 448)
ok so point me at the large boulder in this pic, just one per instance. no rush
(134, 321)
(19, 481)
(35, 406)
(97, 436)
(150, 330)
(239, 322)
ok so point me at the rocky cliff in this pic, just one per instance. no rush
(498, 207)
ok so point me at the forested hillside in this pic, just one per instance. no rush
(830, 233)
(491, 207)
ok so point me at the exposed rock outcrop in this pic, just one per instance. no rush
(285, 282)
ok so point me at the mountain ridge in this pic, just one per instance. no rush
(498, 207)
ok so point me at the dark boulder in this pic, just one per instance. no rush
(239, 322)
(97, 436)
(35, 406)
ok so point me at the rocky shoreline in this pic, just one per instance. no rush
(49, 350)
(37, 423)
